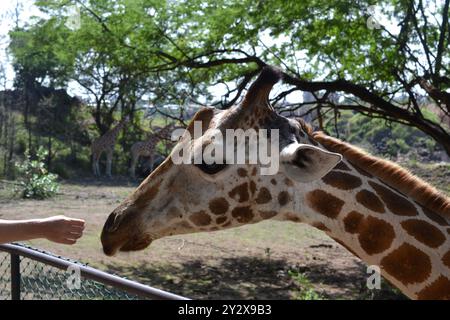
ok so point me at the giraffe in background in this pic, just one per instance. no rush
(148, 148)
(376, 209)
(106, 143)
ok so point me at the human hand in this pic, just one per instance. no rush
(61, 229)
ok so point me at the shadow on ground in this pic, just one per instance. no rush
(252, 278)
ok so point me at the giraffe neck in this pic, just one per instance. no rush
(381, 226)
(111, 136)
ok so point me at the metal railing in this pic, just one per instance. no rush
(28, 273)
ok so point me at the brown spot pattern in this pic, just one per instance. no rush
(267, 214)
(352, 222)
(324, 203)
(240, 193)
(342, 166)
(438, 290)
(218, 206)
(397, 204)
(321, 226)
(446, 259)
(242, 214)
(370, 200)
(252, 187)
(407, 264)
(200, 218)
(264, 196)
(435, 217)
(342, 180)
(283, 198)
(375, 235)
(273, 181)
(221, 220)
(242, 172)
(292, 217)
(288, 182)
(424, 232)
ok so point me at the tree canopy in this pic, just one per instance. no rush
(125, 50)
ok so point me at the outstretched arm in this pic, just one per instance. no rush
(59, 229)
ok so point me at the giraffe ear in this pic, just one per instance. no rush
(306, 163)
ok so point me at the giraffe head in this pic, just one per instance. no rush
(204, 195)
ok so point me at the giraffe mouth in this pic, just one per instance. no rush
(134, 244)
(137, 244)
(113, 242)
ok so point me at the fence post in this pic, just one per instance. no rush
(15, 277)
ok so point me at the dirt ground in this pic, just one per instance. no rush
(255, 261)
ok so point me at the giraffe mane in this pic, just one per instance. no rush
(305, 126)
(390, 173)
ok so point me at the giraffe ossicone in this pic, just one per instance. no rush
(374, 208)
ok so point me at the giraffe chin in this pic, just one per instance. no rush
(134, 244)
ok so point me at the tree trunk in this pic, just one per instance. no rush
(49, 153)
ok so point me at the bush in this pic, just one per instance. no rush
(36, 182)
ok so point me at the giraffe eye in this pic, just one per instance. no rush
(211, 168)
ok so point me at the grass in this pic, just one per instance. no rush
(386, 292)
(306, 289)
(8, 190)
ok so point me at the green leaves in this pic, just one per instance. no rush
(36, 182)
(126, 49)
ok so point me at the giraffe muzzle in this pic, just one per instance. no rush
(111, 247)
(121, 232)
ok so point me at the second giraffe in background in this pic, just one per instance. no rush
(148, 148)
(106, 144)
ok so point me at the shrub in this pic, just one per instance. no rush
(306, 289)
(36, 182)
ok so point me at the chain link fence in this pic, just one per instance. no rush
(28, 273)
